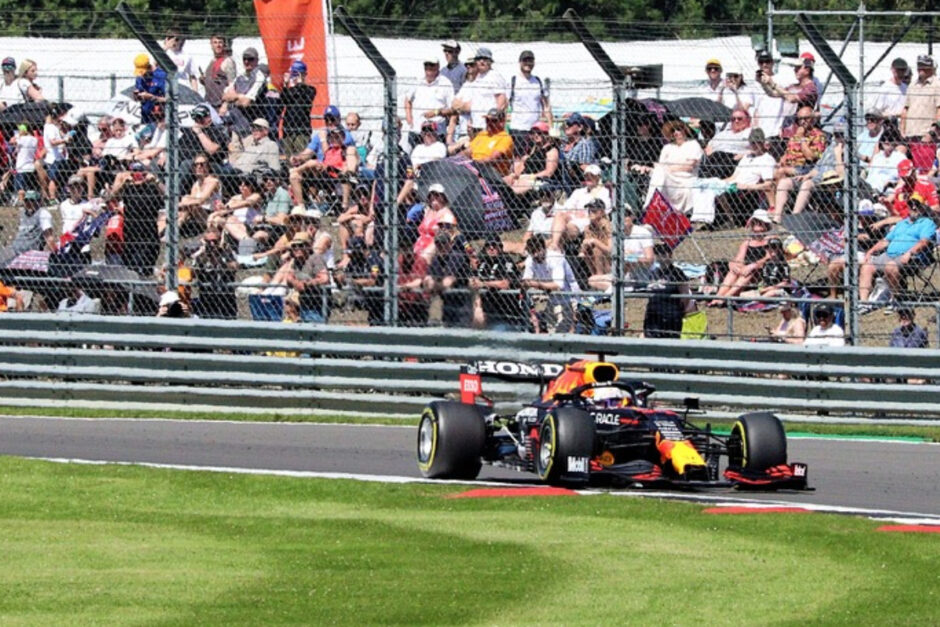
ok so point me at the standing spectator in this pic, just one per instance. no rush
(792, 328)
(825, 332)
(528, 102)
(13, 90)
(769, 111)
(143, 197)
(185, 68)
(892, 94)
(734, 92)
(244, 99)
(459, 127)
(26, 146)
(413, 301)
(711, 87)
(802, 93)
(489, 89)
(55, 139)
(220, 73)
(74, 209)
(28, 71)
(149, 87)
(431, 95)
(549, 272)
(214, 268)
(496, 273)
(34, 231)
(922, 105)
(908, 334)
(453, 70)
(297, 98)
(666, 308)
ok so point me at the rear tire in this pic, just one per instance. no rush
(757, 442)
(450, 441)
(566, 445)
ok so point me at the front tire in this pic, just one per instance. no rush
(566, 445)
(757, 442)
(450, 441)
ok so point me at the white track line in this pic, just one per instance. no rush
(717, 500)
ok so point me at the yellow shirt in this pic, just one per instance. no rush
(483, 146)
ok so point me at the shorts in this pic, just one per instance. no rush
(882, 260)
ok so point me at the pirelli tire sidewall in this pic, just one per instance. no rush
(566, 446)
(758, 442)
(450, 442)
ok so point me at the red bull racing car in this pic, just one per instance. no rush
(588, 426)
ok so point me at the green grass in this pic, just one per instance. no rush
(902, 431)
(107, 544)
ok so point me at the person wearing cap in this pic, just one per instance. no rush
(908, 334)
(75, 209)
(13, 90)
(569, 223)
(678, 166)
(538, 165)
(748, 185)
(909, 242)
(792, 327)
(752, 255)
(245, 98)
(258, 150)
(579, 150)
(767, 112)
(734, 92)
(149, 87)
(922, 103)
(220, 73)
(173, 42)
(34, 231)
(866, 142)
(910, 182)
(430, 148)
(802, 93)
(306, 273)
(453, 69)
(528, 102)
(297, 98)
(432, 94)
(711, 87)
(807, 58)
(143, 197)
(493, 145)
(892, 94)
(496, 274)
(825, 332)
(311, 164)
(437, 210)
(205, 137)
(489, 89)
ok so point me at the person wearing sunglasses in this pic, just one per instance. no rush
(13, 90)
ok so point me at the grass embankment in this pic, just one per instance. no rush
(102, 544)
(903, 431)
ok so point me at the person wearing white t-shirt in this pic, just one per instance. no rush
(550, 272)
(26, 147)
(431, 147)
(826, 332)
(528, 101)
(637, 255)
(75, 207)
(892, 94)
(430, 96)
(13, 90)
(458, 113)
(752, 179)
(572, 221)
(489, 89)
(882, 172)
(121, 144)
(185, 73)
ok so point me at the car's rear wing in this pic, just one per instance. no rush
(471, 375)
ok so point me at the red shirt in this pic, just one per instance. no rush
(903, 191)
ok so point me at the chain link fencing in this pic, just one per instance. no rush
(725, 175)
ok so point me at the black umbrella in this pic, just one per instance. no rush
(97, 279)
(473, 198)
(701, 108)
(32, 114)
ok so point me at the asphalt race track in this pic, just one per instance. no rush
(882, 475)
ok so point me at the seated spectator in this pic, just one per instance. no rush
(866, 142)
(493, 145)
(578, 151)
(307, 274)
(792, 328)
(677, 167)
(240, 213)
(206, 137)
(357, 221)
(151, 149)
(214, 268)
(752, 179)
(882, 171)
(827, 171)
(774, 278)
(257, 150)
(171, 306)
(825, 332)
(753, 254)
(910, 183)
(74, 209)
(666, 308)
(363, 272)
(204, 198)
(34, 231)
(437, 210)
(6, 293)
(638, 256)
(496, 274)
(330, 158)
(550, 273)
(413, 300)
(275, 197)
(805, 145)
(448, 276)
(538, 165)
(728, 146)
(870, 232)
(361, 136)
(908, 334)
(569, 223)
(909, 242)
(430, 147)
(595, 246)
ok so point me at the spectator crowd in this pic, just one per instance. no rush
(286, 189)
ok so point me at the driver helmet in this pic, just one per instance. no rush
(611, 397)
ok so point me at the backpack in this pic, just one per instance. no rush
(512, 89)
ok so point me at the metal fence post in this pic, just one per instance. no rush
(618, 150)
(390, 121)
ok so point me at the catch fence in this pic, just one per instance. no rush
(605, 272)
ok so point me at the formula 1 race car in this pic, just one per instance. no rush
(588, 426)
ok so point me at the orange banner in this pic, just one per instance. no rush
(295, 30)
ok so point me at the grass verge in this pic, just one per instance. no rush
(101, 544)
(924, 432)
